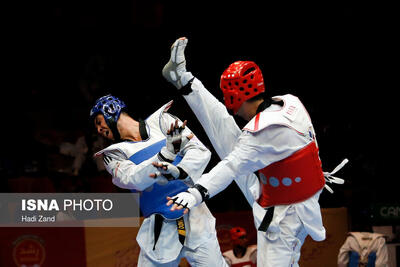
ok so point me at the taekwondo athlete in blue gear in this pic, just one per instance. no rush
(155, 157)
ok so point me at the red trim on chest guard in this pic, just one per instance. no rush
(292, 179)
(256, 122)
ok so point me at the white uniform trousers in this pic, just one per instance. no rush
(282, 248)
(206, 255)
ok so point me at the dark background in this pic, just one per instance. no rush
(60, 56)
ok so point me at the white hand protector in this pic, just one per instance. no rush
(175, 141)
(185, 200)
(169, 171)
(175, 70)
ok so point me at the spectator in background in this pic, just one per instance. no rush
(78, 151)
(363, 249)
(81, 150)
(242, 254)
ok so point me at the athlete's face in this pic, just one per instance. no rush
(241, 241)
(102, 127)
(249, 109)
(245, 111)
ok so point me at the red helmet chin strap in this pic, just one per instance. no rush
(241, 81)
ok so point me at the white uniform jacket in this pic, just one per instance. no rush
(199, 223)
(244, 152)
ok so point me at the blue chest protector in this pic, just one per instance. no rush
(153, 199)
(354, 259)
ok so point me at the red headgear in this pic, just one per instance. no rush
(236, 233)
(241, 81)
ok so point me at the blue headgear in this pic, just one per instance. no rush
(110, 107)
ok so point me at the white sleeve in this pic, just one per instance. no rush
(128, 175)
(252, 152)
(253, 254)
(195, 158)
(382, 256)
(222, 131)
(343, 256)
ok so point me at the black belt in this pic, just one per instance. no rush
(266, 221)
(158, 221)
(180, 225)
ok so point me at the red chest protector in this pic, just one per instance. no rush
(292, 179)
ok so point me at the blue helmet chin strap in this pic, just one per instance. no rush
(111, 108)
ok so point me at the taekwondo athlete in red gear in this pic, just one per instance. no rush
(278, 142)
(242, 254)
(154, 157)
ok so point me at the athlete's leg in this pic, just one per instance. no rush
(206, 255)
(145, 261)
(282, 249)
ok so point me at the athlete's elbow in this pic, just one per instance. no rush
(127, 184)
(207, 155)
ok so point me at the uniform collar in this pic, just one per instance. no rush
(142, 130)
